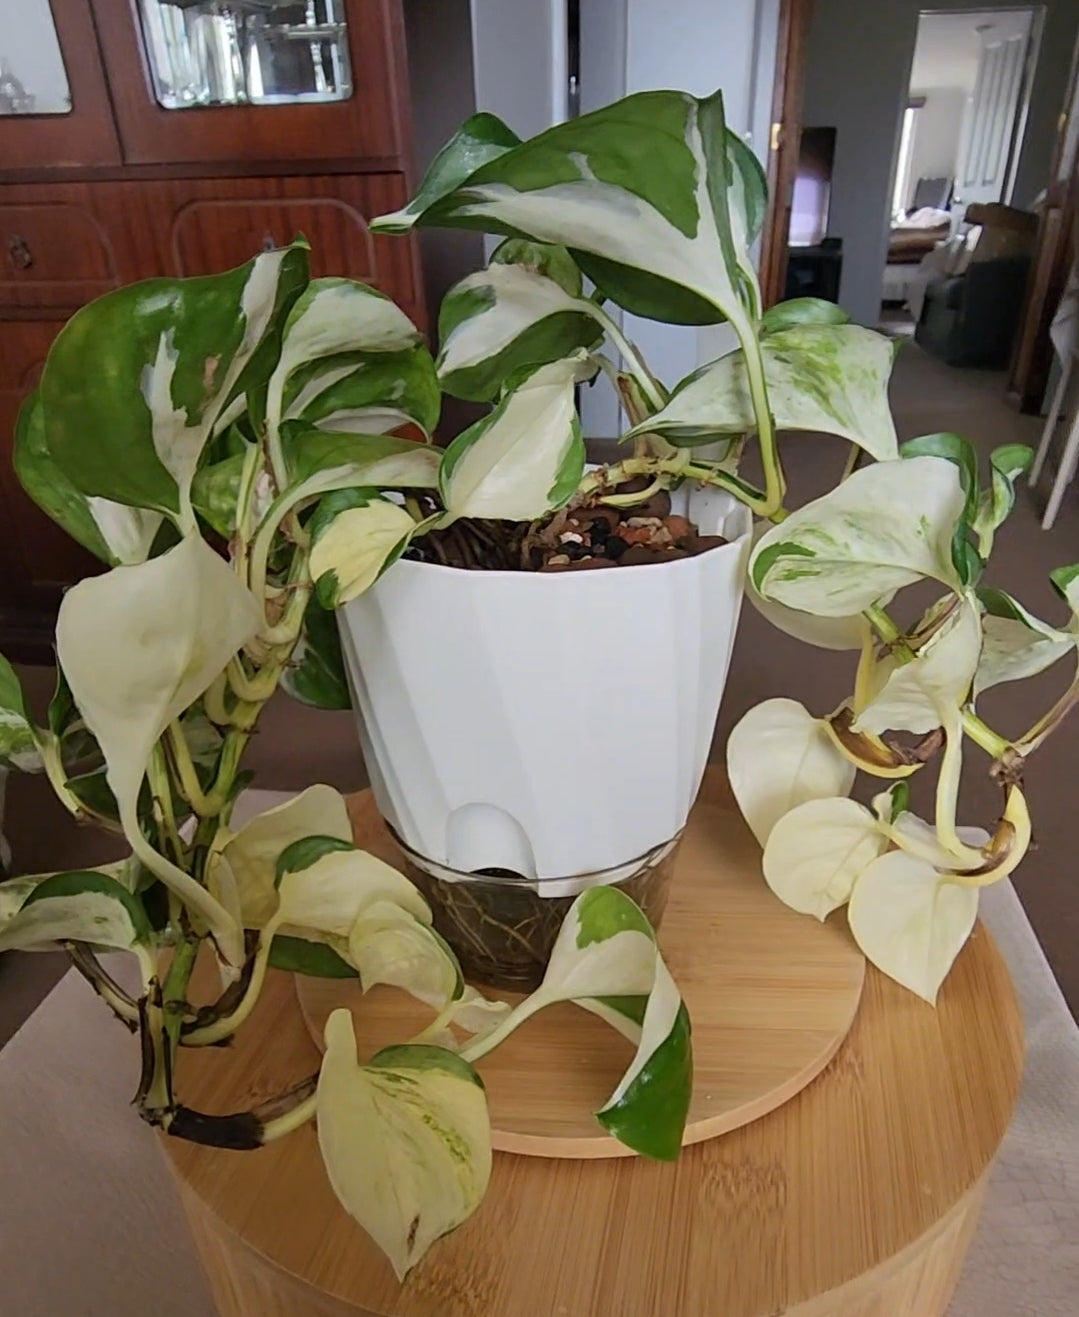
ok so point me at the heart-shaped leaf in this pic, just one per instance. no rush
(138, 646)
(388, 944)
(355, 535)
(911, 921)
(406, 1140)
(77, 907)
(113, 532)
(886, 526)
(1015, 644)
(655, 198)
(253, 852)
(524, 459)
(779, 756)
(920, 695)
(827, 378)
(606, 950)
(136, 381)
(365, 392)
(498, 320)
(816, 852)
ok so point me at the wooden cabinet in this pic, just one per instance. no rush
(116, 187)
(37, 558)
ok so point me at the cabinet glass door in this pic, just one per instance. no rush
(247, 52)
(256, 80)
(32, 75)
(54, 107)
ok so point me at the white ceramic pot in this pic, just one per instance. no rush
(552, 724)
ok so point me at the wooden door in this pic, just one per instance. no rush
(54, 105)
(370, 122)
(1053, 258)
(787, 97)
(990, 138)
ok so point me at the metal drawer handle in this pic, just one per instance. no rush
(18, 250)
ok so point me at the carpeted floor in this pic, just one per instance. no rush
(297, 746)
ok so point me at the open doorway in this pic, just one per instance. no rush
(961, 131)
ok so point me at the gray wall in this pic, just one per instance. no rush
(859, 58)
(439, 38)
(936, 135)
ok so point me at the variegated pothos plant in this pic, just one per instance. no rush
(246, 452)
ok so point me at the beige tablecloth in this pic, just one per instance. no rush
(90, 1223)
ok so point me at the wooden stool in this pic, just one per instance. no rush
(857, 1197)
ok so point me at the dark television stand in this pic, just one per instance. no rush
(815, 271)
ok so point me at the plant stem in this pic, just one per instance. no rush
(1049, 722)
(775, 484)
(227, 1025)
(976, 728)
(174, 989)
(190, 787)
(164, 816)
(630, 355)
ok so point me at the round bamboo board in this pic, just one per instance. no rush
(857, 1198)
(771, 994)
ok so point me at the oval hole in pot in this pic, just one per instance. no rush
(481, 836)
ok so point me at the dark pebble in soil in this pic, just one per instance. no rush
(572, 550)
(615, 548)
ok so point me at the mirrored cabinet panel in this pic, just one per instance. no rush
(246, 52)
(32, 75)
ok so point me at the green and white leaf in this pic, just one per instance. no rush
(334, 316)
(316, 669)
(816, 852)
(388, 944)
(886, 526)
(365, 392)
(799, 311)
(509, 316)
(524, 459)
(324, 900)
(479, 140)
(406, 1140)
(77, 907)
(911, 921)
(111, 531)
(252, 852)
(136, 381)
(19, 738)
(356, 534)
(655, 198)
(320, 462)
(138, 646)
(827, 378)
(1007, 464)
(1015, 643)
(606, 949)
(923, 694)
(778, 757)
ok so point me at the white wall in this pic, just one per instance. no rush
(29, 48)
(859, 59)
(519, 54)
(629, 46)
(937, 127)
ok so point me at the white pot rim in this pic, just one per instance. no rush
(502, 574)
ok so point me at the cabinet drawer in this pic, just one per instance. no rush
(52, 254)
(215, 224)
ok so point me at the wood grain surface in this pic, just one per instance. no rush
(854, 1199)
(770, 993)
